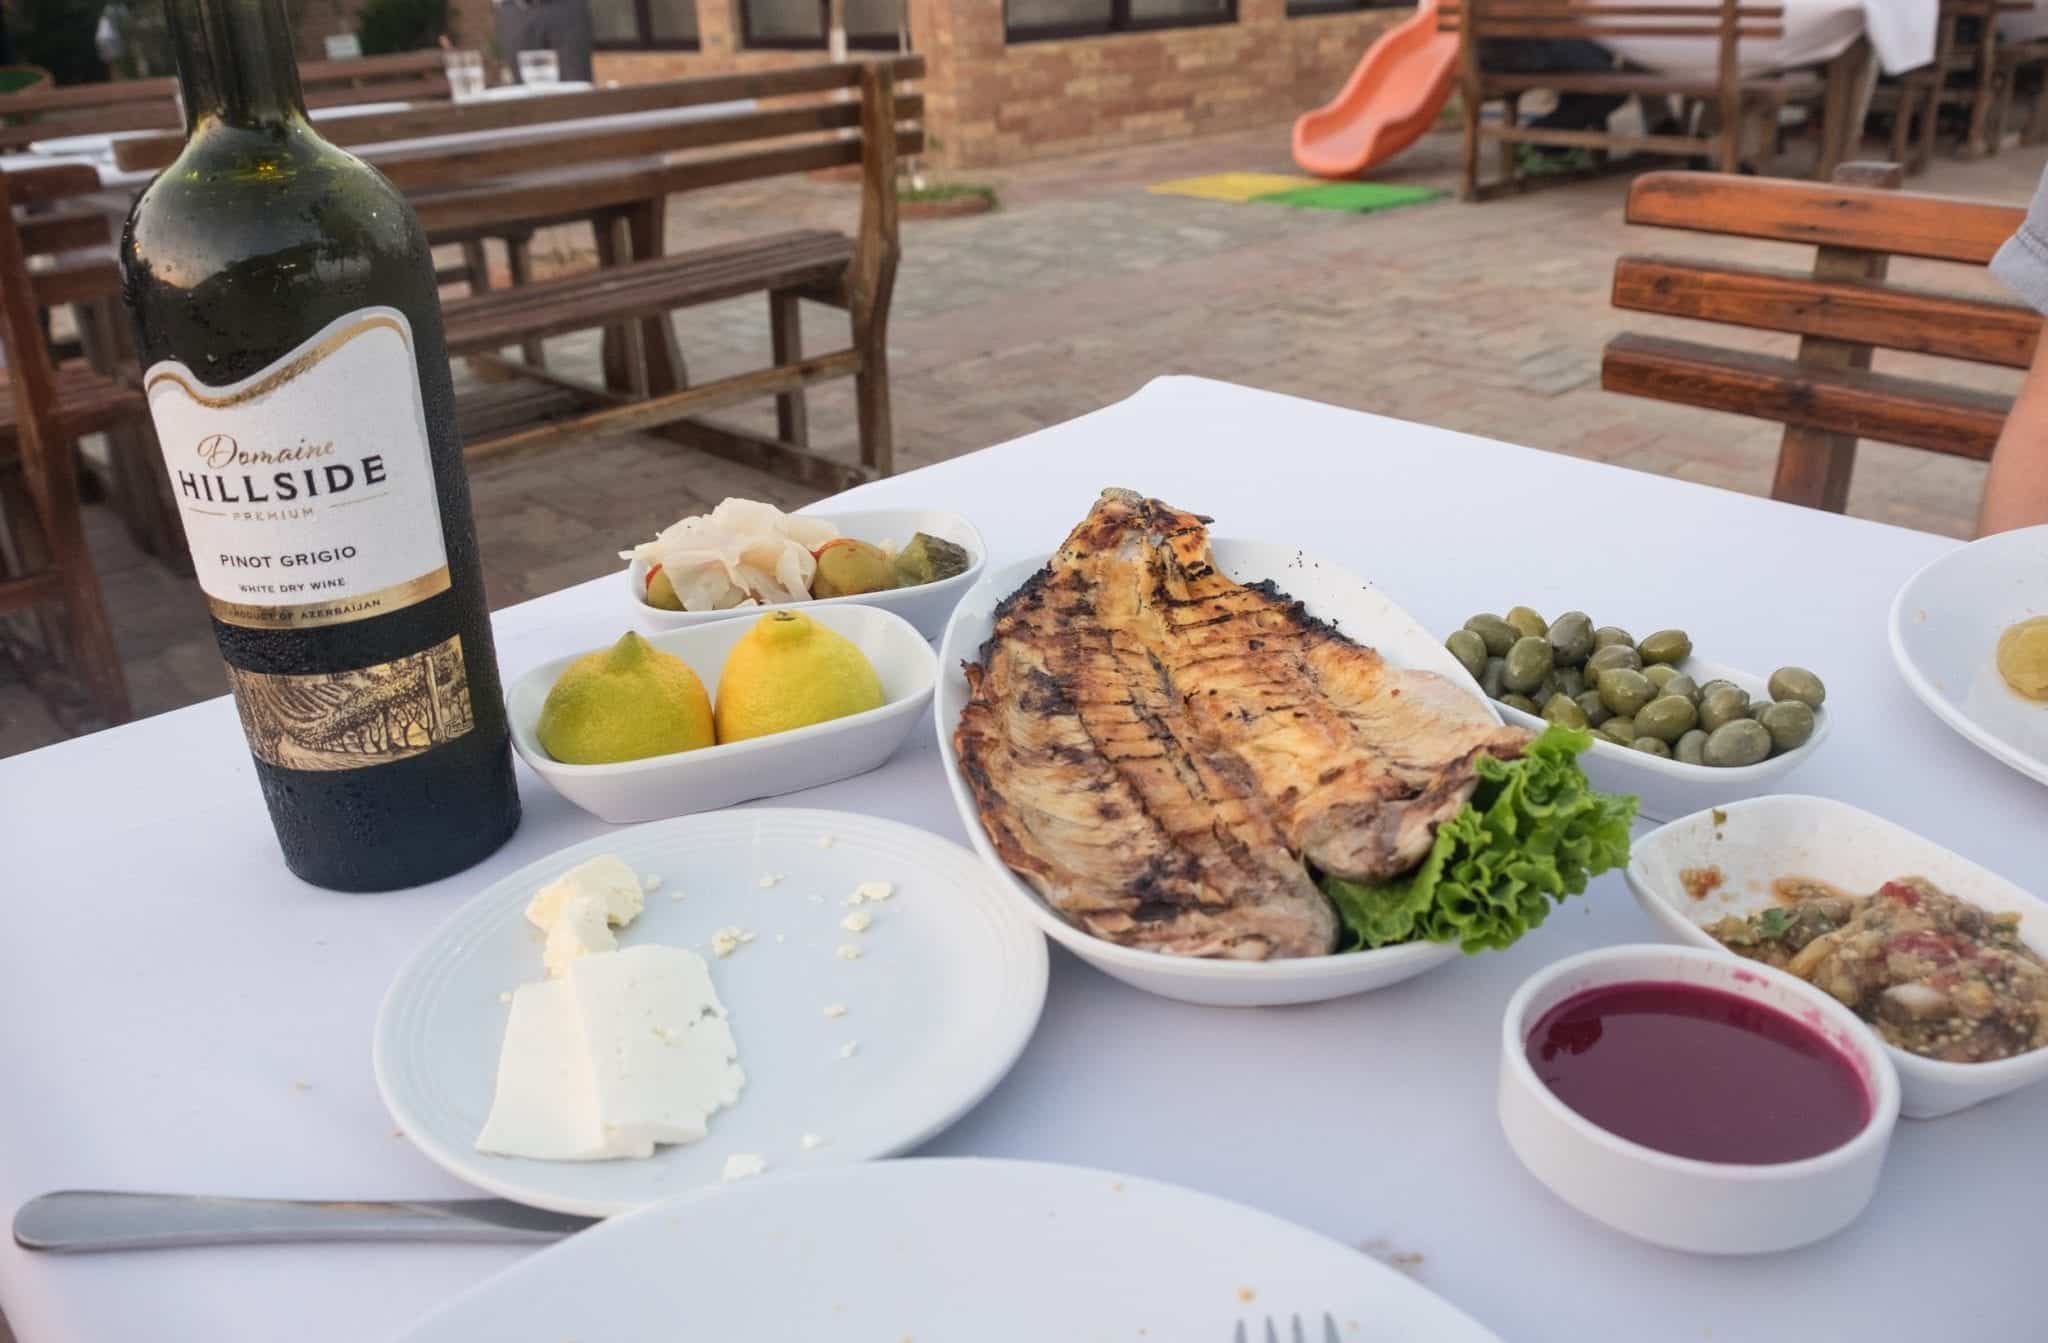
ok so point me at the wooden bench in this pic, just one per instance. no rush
(151, 104)
(1842, 308)
(1730, 101)
(610, 173)
(44, 561)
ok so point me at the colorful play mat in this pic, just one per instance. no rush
(1306, 193)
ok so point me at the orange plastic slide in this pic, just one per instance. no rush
(1392, 97)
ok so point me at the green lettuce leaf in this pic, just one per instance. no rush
(1533, 833)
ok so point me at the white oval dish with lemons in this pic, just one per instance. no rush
(926, 606)
(679, 782)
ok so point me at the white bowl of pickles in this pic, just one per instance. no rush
(1678, 731)
(913, 562)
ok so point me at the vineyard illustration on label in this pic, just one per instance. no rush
(352, 719)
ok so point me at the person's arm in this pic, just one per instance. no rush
(2016, 491)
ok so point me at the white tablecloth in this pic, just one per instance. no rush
(1901, 36)
(184, 1015)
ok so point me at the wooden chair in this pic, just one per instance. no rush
(1733, 101)
(46, 563)
(638, 288)
(1841, 307)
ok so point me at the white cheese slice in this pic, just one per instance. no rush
(662, 1056)
(544, 1106)
(607, 877)
(627, 1049)
(580, 929)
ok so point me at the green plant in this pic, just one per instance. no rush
(945, 191)
(386, 26)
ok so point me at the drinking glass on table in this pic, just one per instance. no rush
(465, 74)
(539, 67)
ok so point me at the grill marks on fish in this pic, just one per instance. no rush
(1157, 748)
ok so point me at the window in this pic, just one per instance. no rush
(640, 24)
(1297, 8)
(870, 24)
(1037, 20)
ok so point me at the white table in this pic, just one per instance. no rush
(1901, 34)
(184, 1015)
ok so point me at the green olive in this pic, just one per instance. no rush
(1667, 718)
(1719, 682)
(1690, 747)
(1608, 635)
(1680, 685)
(1723, 703)
(1620, 729)
(1469, 649)
(1570, 681)
(1652, 746)
(1561, 709)
(1527, 622)
(1789, 722)
(1741, 742)
(1528, 662)
(1797, 683)
(1571, 634)
(1593, 707)
(1614, 655)
(1522, 702)
(1659, 673)
(1665, 646)
(1625, 691)
(1498, 634)
(1490, 678)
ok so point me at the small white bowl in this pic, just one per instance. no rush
(1706, 1207)
(1330, 593)
(926, 606)
(718, 776)
(1756, 842)
(1668, 789)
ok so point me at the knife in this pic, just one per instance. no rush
(77, 1221)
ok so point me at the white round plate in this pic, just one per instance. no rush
(1945, 626)
(941, 1002)
(946, 1251)
(1330, 593)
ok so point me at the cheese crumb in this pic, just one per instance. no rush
(579, 929)
(811, 1142)
(780, 938)
(607, 878)
(650, 883)
(770, 879)
(857, 922)
(848, 952)
(874, 890)
(726, 941)
(505, 997)
(676, 894)
(849, 1049)
(741, 1165)
(825, 841)
(833, 1011)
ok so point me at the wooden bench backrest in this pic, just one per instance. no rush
(1718, 19)
(76, 238)
(1842, 308)
(457, 118)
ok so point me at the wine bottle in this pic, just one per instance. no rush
(289, 326)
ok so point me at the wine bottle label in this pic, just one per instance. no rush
(307, 488)
(365, 716)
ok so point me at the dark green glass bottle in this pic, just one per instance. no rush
(290, 337)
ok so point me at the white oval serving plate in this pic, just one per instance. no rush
(1682, 1203)
(926, 606)
(941, 1002)
(1668, 789)
(1945, 624)
(1754, 843)
(951, 1249)
(1330, 593)
(720, 775)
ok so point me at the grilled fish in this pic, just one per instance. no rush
(1162, 752)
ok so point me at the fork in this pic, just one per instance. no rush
(1297, 1331)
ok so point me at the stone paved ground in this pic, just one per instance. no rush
(1485, 318)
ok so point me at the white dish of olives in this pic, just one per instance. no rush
(927, 606)
(1678, 731)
